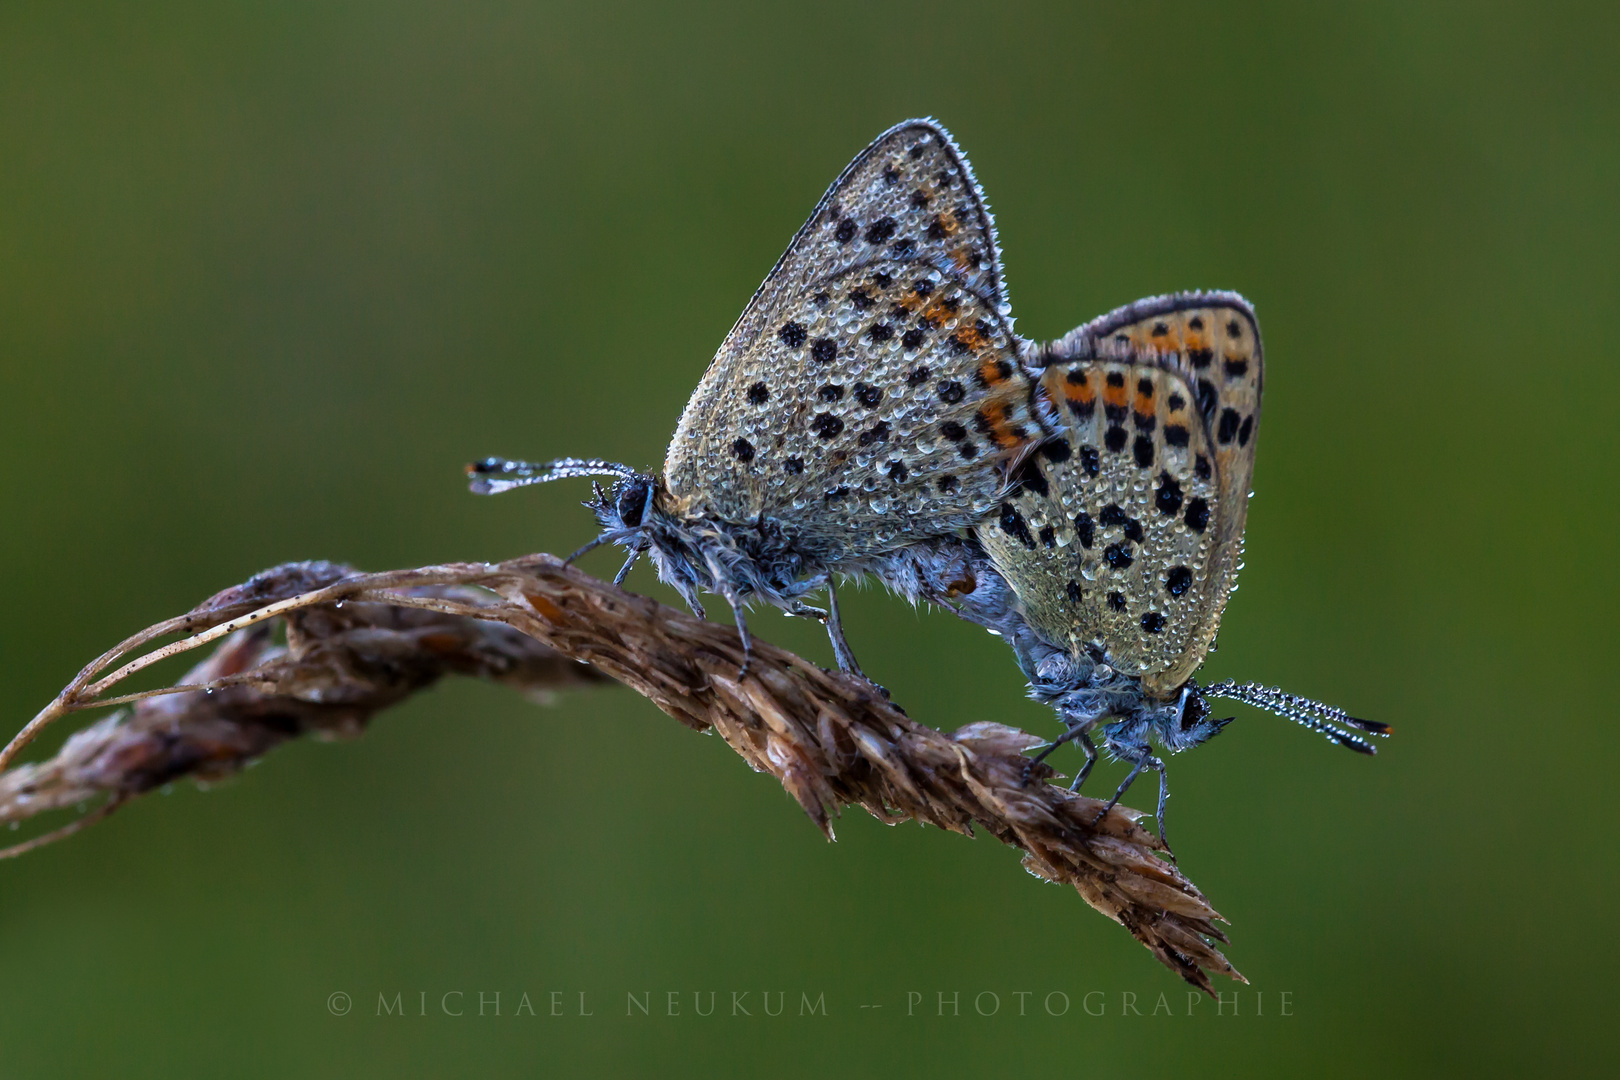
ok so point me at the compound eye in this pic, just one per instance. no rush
(1193, 712)
(632, 505)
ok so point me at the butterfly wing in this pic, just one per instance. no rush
(871, 389)
(1127, 532)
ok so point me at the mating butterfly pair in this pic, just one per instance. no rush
(873, 411)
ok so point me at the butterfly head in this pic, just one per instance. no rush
(1187, 721)
(631, 510)
(625, 507)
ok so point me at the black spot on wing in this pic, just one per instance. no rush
(1142, 451)
(1029, 478)
(826, 425)
(1167, 499)
(1207, 397)
(1013, 524)
(878, 432)
(1085, 529)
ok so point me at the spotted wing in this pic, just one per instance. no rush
(890, 413)
(1128, 532)
(870, 392)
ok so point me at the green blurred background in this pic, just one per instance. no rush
(270, 273)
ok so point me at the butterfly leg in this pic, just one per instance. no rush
(1068, 736)
(835, 631)
(742, 632)
(841, 649)
(605, 538)
(1091, 759)
(1164, 796)
(624, 571)
(1146, 761)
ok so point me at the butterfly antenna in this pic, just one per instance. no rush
(495, 475)
(1312, 714)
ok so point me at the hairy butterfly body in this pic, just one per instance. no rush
(869, 398)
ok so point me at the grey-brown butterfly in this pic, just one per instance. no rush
(869, 398)
(1123, 537)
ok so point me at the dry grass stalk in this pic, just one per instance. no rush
(357, 643)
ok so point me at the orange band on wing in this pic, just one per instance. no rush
(1116, 396)
(1074, 385)
(995, 421)
(993, 372)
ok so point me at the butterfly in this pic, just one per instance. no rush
(870, 397)
(1122, 537)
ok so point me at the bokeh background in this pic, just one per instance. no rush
(270, 273)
